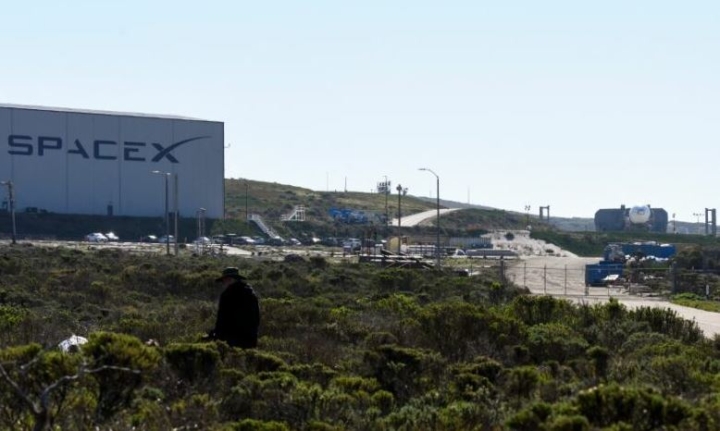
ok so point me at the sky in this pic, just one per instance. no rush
(573, 105)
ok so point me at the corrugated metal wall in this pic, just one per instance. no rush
(80, 163)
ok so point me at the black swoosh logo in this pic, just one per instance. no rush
(165, 152)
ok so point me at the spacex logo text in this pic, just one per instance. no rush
(99, 149)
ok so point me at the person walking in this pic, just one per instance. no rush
(238, 315)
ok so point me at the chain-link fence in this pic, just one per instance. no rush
(572, 281)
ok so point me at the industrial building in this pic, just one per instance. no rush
(71, 161)
(641, 217)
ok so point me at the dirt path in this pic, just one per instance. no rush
(417, 218)
(565, 277)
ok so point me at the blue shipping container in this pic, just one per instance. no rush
(596, 273)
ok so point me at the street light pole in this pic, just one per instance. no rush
(437, 233)
(11, 203)
(167, 213)
(527, 214)
(387, 192)
(175, 210)
(399, 190)
(201, 222)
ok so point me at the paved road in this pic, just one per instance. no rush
(564, 277)
(415, 219)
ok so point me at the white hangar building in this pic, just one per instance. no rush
(92, 162)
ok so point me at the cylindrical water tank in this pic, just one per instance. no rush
(639, 214)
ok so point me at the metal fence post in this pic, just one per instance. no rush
(545, 279)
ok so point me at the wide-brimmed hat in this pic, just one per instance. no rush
(231, 272)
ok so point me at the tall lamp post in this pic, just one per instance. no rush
(437, 239)
(399, 190)
(247, 214)
(11, 202)
(200, 222)
(175, 212)
(387, 192)
(527, 214)
(167, 213)
(674, 224)
(697, 219)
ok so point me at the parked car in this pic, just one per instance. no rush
(166, 238)
(148, 238)
(246, 240)
(309, 240)
(259, 240)
(203, 240)
(331, 242)
(228, 238)
(277, 241)
(112, 237)
(96, 237)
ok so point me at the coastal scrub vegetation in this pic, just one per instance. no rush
(343, 346)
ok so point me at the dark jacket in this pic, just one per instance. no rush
(238, 316)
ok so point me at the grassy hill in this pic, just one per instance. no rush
(272, 201)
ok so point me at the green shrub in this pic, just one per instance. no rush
(193, 362)
(667, 321)
(316, 373)
(352, 384)
(643, 409)
(521, 382)
(569, 423)
(125, 360)
(399, 369)
(384, 401)
(150, 415)
(256, 425)
(11, 316)
(554, 341)
(600, 358)
(530, 418)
